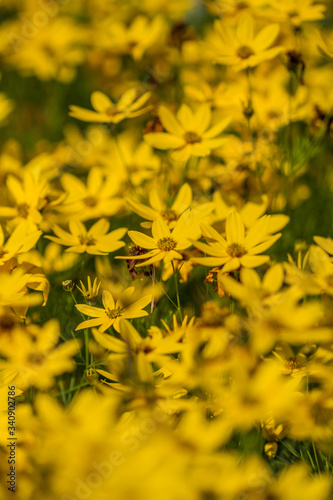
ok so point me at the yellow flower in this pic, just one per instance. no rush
(250, 290)
(291, 364)
(132, 159)
(31, 195)
(23, 238)
(222, 96)
(297, 11)
(234, 8)
(90, 294)
(54, 50)
(128, 106)
(113, 311)
(93, 199)
(188, 133)
(94, 241)
(134, 39)
(164, 244)
(240, 47)
(238, 249)
(155, 346)
(160, 209)
(13, 290)
(33, 354)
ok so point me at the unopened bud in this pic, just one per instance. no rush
(68, 285)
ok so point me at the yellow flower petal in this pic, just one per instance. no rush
(160, 229)
(265, 37)
(142, 240)
(254, 260)
(161, 140)
(108, 301)
(169, 121)
(100, 102)
(234, 229)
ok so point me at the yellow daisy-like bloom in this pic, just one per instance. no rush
(93, 199)
(237, 249)
(164, 244)
(32, 195)
(297, 11)
(135, 39)
(90, 293)
(35, 357)
(13, 291)
(188, 133)
(170, 214)
(240, 47)
(128, 106)
(94, 241)
(23, 238)
(113, 311)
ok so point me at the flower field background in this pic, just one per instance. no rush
(166, 267)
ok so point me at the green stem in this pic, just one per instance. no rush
(177, 291)
(316, 458)
(86, 335)
(152, 305)
(251, 134)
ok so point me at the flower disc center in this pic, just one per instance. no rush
(23, 210)
(114, 313)
(86, 240)
(169, 215)
(244, 52)
(166, 244)
(291, 363)
(236, 250)
(191, 138)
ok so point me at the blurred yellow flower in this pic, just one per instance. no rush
(135, 39)
(35, 357)
(189, 133)
(94, 241)
(93, 199)
(241, 47)
(170, 213)
(23, 238)
(128, 106)
(297, 11)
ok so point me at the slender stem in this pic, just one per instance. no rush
(177, 291)
(152, 305)
(122, 158)
(86, 335)
(290, 124)
(316, 457)
(251, 134)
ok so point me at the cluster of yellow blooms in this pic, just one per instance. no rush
(201, 368)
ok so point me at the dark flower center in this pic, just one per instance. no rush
(169, 215)
(236, 250)
(114, 313)
(86, 240)
(244, 52)
(166, 244)
(23, 210)
(191, 138)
